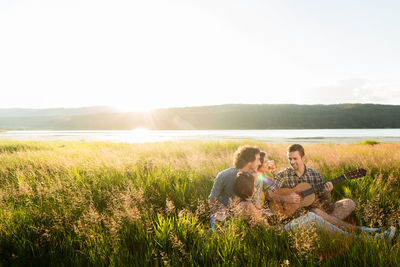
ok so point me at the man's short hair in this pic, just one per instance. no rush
(297, 147)
(243, 186)
(244, 155)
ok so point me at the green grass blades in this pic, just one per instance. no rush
(109, 204)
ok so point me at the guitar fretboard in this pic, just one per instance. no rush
(318, 188)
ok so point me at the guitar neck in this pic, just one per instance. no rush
(319, 188)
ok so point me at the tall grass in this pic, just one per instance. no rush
(78, 203)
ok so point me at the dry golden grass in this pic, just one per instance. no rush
(82, 203)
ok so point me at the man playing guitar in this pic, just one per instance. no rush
(298, 173)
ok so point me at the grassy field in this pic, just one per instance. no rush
(102, 204)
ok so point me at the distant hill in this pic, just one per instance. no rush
(21, 112)
(235, 116)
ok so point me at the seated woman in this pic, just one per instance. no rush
(244, 188)
(263, 180)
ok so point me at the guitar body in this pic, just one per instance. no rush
(288, 209)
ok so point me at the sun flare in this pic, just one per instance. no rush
(140, 130)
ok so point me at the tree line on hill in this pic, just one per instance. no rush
(220, 117)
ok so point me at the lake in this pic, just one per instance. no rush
(270, 136)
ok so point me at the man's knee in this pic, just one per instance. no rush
(343, 208)
(349, 205)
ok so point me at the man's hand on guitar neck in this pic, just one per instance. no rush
(324, 199)
(292, 198)
(328, 187)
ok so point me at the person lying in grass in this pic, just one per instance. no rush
(244, 188)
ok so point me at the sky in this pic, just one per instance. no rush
(149, 54)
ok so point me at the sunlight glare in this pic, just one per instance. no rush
(140, 130)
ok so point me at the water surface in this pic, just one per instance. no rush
(271, 136)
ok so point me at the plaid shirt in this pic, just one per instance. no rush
(288, 178)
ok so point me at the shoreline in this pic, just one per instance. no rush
(271, 140)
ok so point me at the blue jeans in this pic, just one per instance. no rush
(213, 226)
(212, 222)
(310, 219)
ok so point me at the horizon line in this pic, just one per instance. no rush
(194, 106)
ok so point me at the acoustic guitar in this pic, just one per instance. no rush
(307, 193)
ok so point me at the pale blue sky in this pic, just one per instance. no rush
(150, 54)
